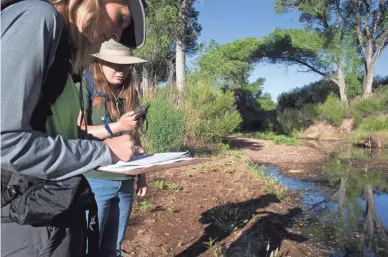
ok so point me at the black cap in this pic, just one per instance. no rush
(134, 35)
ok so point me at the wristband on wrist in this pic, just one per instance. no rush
(107, 128)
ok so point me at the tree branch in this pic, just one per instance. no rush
(379, 51)
(377, 16)
(312, 68)
(377, 55)
(324, 20)
(337, 15)
(358, 28)
(367, 17)
(383, 38)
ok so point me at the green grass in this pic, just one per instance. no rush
(271, 136)
(171, 209)
(217, 249)
(284, 140)
(161, 184)
(223, 147)
(258, 171)
(157, 184)
(376, 123)
(144, 205)
(271, 185)
(173, 187)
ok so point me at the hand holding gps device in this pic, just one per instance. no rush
(141, 111)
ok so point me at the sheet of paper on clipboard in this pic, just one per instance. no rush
(148, 160)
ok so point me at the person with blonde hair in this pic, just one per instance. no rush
(110, 102)
(45, 47)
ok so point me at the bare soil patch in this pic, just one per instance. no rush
(302, 161)
(218, 208)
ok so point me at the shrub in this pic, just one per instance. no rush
(374, 124)
(375, 105)
(313, 93)
(264, 136)
(165, 123)
(284, 140)
(210, 114)
(333, 110)
(292, 120)
(289, 120)
(277, 139)
(369, 106)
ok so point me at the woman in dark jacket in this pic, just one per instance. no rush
(45, 46)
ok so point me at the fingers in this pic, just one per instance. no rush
(128, 114)
(139, 150)
(134, 150)
(142, 191)
(122, 148)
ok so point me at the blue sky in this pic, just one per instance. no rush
(227, 20)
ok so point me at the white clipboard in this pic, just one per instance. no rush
(152, 162)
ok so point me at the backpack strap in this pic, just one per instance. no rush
(14, 185)
(6, 3)
(8, 193)
(91, 86)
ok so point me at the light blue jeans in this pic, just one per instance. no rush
(114, 200)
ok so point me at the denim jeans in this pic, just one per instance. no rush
(114, 200)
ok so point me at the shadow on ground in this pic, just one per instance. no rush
(222, 220)
(243, 143)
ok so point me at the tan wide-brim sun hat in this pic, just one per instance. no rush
(114, 52)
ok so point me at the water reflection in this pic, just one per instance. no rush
(347, 212)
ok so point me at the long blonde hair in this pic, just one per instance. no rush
(81, 18)
(102, 85)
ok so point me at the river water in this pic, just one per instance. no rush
(346, 209)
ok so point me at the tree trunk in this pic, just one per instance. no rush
(340, 196)
(145, 84)
(372, 219)
(341, 84)
(171, 71)
(368, 79)
(369, 70)
(180, 64)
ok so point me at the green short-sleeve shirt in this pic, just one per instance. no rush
(94, 119)
(63, 112)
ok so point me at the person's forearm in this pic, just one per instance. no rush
(100, 131)
(37, 155)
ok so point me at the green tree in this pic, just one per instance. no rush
(231, 63)
(230, 66)
(161, 22)
(325, 46)
(164, 27)
(186, 36)
(312, 94)
(370, 19)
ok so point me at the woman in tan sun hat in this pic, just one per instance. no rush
(109, 103)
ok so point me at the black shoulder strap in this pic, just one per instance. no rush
(90, 85)
(6, 3)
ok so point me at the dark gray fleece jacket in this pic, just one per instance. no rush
(30, 32)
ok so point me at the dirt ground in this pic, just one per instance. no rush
(220, 208)
(302, 161)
